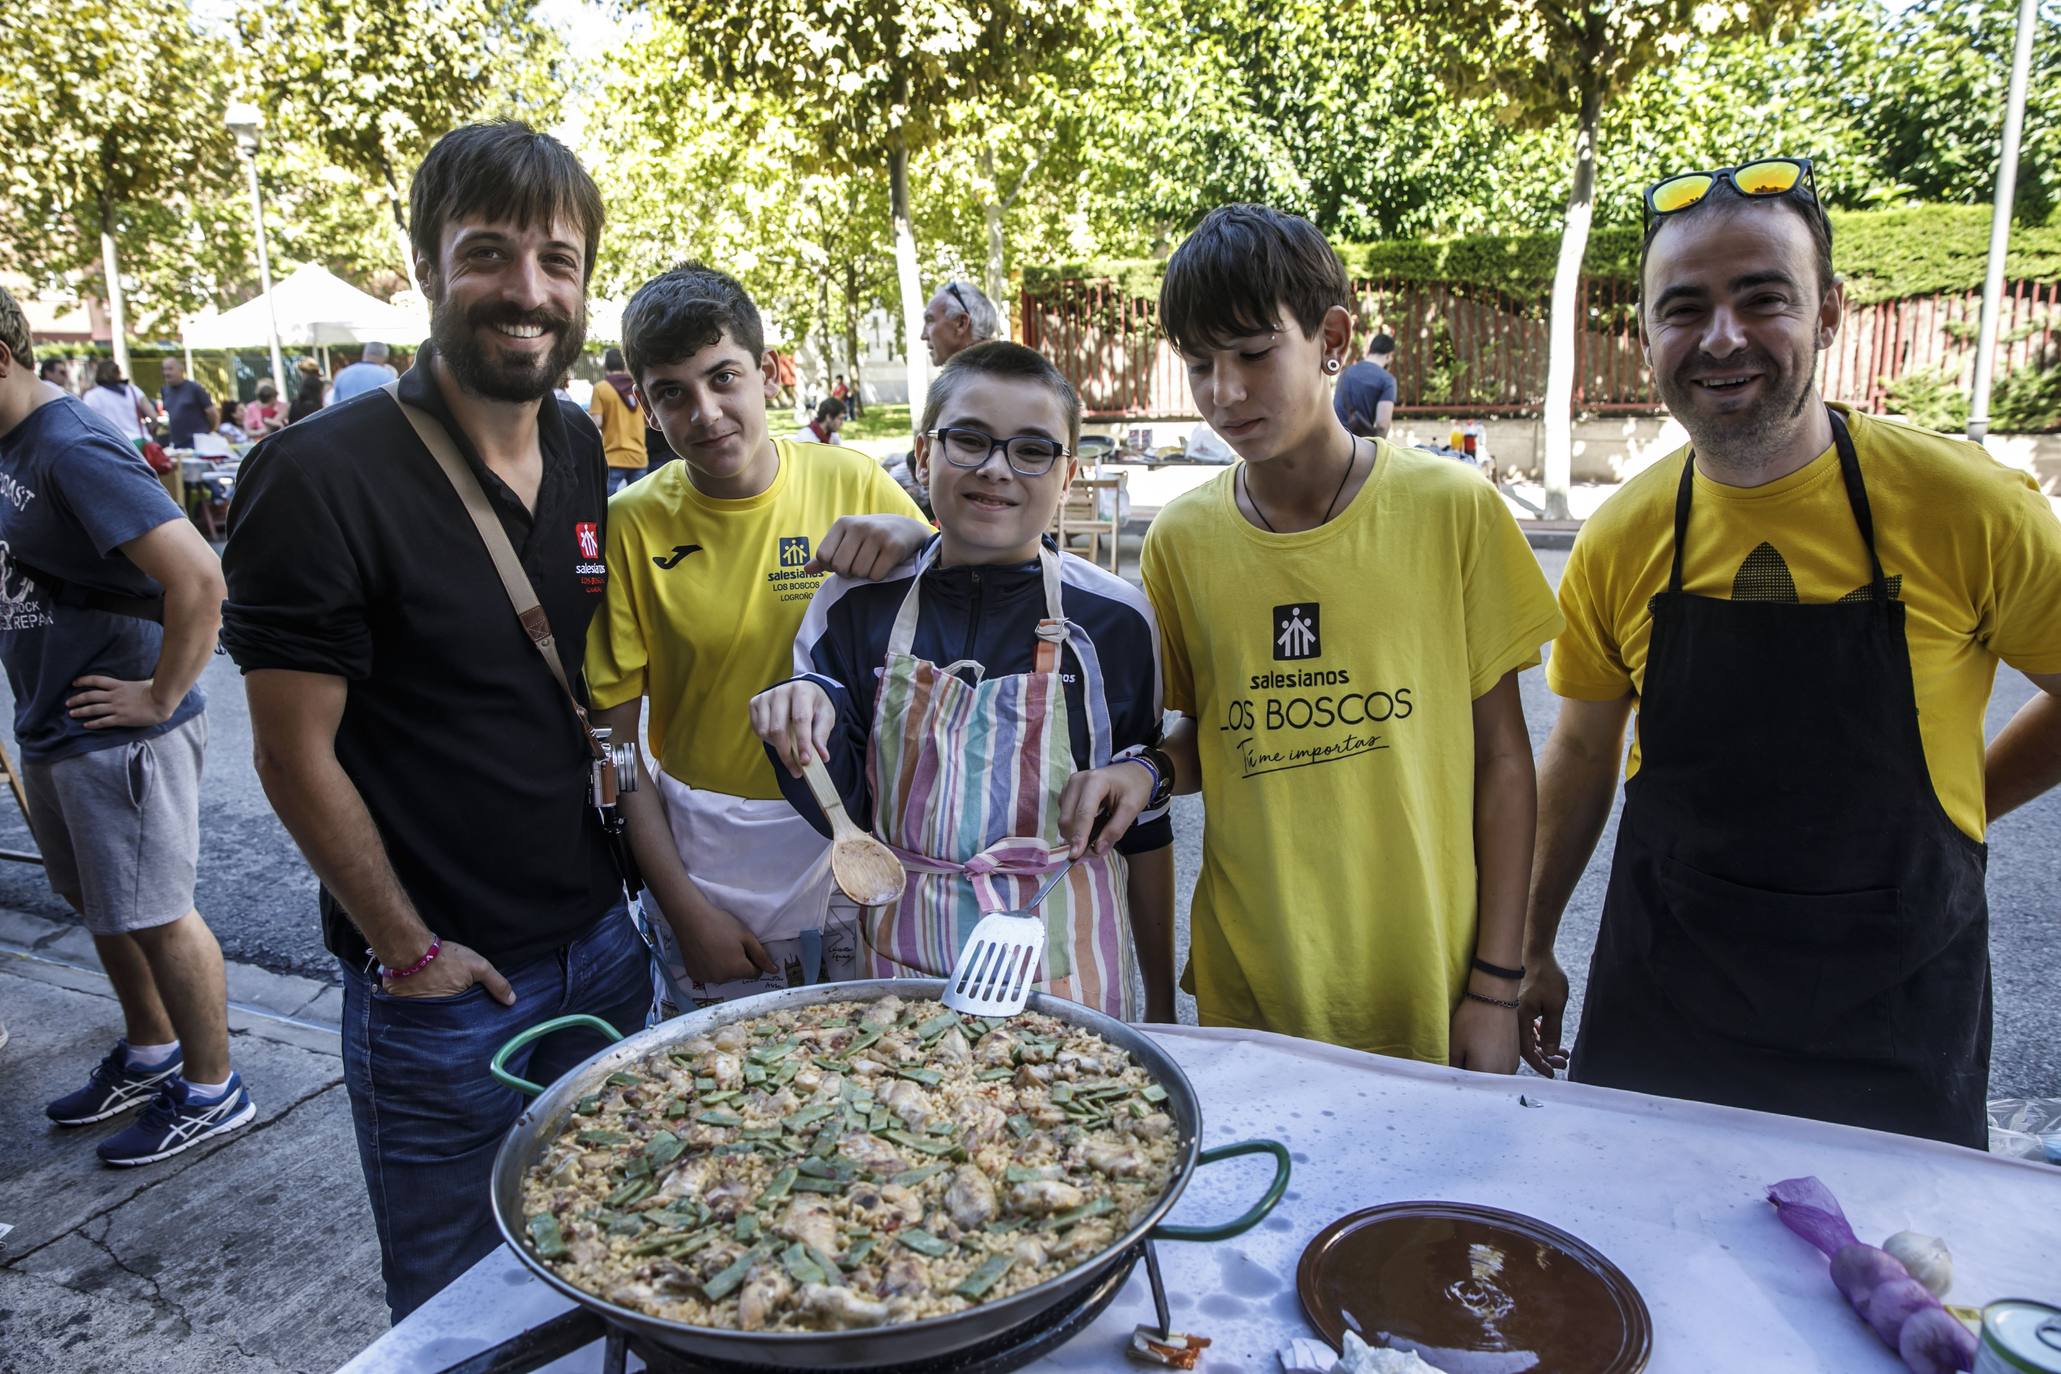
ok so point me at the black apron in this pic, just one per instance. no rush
(1793, 923)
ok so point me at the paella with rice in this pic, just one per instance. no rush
(849, 1165)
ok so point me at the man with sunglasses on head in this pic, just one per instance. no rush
(1806, 609)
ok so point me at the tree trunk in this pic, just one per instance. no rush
(1561, 357)
(110, 269)
(991, 210)
(851, 333)
(905, 274)
(829, 344)
(400, 214)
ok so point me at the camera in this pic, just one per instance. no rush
(614, 773)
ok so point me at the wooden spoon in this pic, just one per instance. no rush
(865, 870)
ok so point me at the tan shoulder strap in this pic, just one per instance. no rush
(514, 580)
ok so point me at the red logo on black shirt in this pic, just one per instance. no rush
(589, 536)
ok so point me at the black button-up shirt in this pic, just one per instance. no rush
(350, 554)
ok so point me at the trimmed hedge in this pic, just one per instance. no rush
(1884, 254)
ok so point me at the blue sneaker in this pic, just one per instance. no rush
(177, 1121)
(113, 1089)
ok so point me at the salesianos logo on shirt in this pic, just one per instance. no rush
(792, 579)
(1295, 631)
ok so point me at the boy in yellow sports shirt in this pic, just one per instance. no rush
(712, 562)
(1342, 623)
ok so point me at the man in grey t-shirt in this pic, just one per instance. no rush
(109, 605)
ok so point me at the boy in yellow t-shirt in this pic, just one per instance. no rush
(1342, 623)
(712, 561)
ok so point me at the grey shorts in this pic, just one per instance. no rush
(120, 827)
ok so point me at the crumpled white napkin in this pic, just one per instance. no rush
(1306, 1356)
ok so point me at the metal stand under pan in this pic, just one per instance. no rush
(1013, 1349)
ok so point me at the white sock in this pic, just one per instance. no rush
(194, 1089)
(144, 1056)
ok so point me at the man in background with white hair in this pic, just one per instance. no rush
(959, 316)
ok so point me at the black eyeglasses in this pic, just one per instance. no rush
(1028, 455)
(964, 308)
(1758, 180)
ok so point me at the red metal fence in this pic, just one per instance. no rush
(1472, 350)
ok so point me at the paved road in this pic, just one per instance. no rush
(261, 901)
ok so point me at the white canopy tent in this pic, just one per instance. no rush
(314, 308)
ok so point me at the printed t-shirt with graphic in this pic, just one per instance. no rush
(1332, 675)
(72, 492)
(622, 426)
(1969, 546)
(706, 596)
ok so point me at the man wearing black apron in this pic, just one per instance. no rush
(1795, 919)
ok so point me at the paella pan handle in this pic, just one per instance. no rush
(1238, 1225)
(499, 1066)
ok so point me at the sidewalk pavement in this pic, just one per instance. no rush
(251, 1254)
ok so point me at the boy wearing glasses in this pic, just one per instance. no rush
(711, 563)
(989, 709)
(1806, 609)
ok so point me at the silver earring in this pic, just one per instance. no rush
(1331, 364)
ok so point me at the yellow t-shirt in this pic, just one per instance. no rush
(622, 429)
(1969, 546)
(1332, 675)
(705, 597)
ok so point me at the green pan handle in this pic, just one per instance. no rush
(1252, 1218)
(499, 1066)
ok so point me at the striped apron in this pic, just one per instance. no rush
(966, 777)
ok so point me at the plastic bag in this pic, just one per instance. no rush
(2026, 1128)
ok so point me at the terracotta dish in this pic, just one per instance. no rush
(1474, 1290)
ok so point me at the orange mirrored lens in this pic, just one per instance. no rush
(1766, 178)
(1680, 193)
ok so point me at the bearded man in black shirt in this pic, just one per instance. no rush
(408, 733)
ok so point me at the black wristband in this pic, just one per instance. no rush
(1515, 975)
(1162, 765)
(1492, 1001)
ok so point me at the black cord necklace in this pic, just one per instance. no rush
(1352, 461)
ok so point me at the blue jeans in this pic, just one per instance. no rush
(429, 1118)
(618, 478)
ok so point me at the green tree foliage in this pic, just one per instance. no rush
(1549, 61)
(881, 80)
(1935, 125)
(1333, 112)
(368, 88)
(116, 163)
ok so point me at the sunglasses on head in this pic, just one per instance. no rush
(1761, 180)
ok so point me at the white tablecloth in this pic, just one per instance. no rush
(1671, 1191)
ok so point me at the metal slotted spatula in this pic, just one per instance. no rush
(995, 970)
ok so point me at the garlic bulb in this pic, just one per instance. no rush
(1927, 1259)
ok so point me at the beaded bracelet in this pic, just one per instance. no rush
(1492, 1001)
(436, 945)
